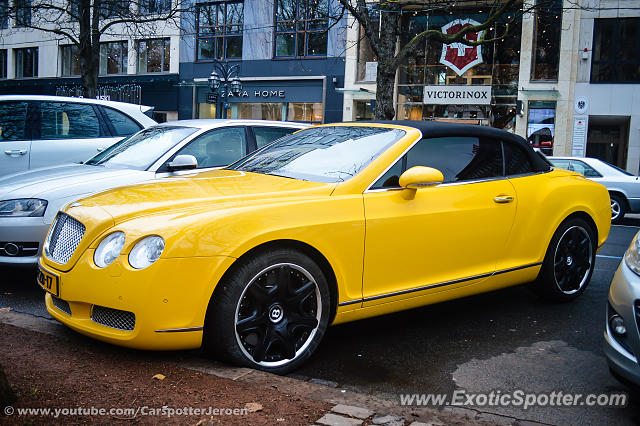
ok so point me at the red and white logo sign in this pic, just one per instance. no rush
(458, 56)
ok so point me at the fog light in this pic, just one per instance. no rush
(616, 324)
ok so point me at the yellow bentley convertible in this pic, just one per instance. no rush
(331, 224)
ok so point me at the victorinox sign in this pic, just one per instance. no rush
(458, 56)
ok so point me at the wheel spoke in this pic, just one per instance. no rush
(300, 295)
(255, 323)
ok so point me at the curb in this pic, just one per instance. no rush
(347, 405)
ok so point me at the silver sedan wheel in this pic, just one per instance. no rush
(615, 209)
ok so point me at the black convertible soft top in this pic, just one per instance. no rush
(435, 129)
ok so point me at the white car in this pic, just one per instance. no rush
(624, 188)
(40, 131)
(29, 201)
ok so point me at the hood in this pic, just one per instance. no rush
(67, 180)
(210, 190)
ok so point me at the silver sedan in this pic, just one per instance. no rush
(622, 333)
(624, 188)
(29, 201)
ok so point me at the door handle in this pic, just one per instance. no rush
(16, 152)
(503, 199)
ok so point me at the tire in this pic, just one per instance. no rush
(618, 208)
(568, 263)
(270, 312)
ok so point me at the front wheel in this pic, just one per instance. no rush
(568, 263)
(270, 313)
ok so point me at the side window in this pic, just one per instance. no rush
(516, 160)
(561, 164)
(458, 158)
(13, 116)
(122, 124)
(584, 169)
(218, 147)
(66, 120)
(266, 135)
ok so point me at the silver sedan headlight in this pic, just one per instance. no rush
(109, 249)
(23, 207)
(146, 251)
(632, 256)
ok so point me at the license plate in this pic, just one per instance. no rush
(48, 281)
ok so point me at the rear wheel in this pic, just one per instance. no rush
(270, 313)
(618, 208)
(568, 263)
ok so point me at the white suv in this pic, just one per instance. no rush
(38, 131)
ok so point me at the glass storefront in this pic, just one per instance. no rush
(541, 125)
(468, 84)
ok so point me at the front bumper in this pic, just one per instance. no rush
(169, 299)
(22, 230)
(622, 353)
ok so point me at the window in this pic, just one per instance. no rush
(70, 60)
(13, 117)
(23, 13)
(301, 28)
(150, 7)
(616, 51)
(65, 120)
(584, 169)
(4, 15)
(122, 124)
(516, 160)
(114, 9)
(458, 158)
(26, 62)
(257, 110)
(266, 135)
(305, 111)
(220, 30)
(546, 42)
(363, 110)
(217, 148)
(153, 55)
(541, 126)
(3, 63)
(113, 57)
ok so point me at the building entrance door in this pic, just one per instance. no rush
(608, 139)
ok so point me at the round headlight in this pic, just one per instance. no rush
(108, 249)
(146, 251)
(616, 324)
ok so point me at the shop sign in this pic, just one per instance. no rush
(256, 93)
(459, 56)
(457, 95)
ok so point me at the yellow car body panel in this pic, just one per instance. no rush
(388, 250)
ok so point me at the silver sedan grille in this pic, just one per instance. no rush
(64, 237)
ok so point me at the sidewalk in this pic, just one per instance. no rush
(51, 367)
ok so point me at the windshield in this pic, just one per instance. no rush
(623, 171)
(321, 154)
(142, 149)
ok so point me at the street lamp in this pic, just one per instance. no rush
(224, 80)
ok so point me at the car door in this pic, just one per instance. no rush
(15, 137)
(69, 132)
(215, 148)
(440, 237)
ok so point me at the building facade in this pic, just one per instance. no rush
(138, 69)
(566, 79)
(290, 55)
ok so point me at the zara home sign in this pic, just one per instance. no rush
(457, 95)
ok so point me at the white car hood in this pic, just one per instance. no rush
(61, 184)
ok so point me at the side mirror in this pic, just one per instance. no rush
(183, 162)
(419, 177)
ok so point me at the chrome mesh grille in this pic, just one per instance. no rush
(114, 318)
(64, 237)
(62, 305)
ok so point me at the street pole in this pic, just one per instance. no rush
(224, 79)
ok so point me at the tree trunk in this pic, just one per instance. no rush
(385, 82)
(7, 397)
(387, 65)
(88, 50)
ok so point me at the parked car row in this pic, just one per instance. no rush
(249, 238)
